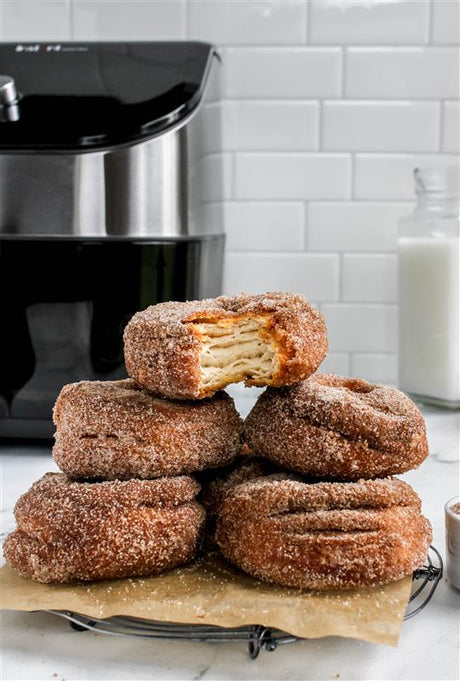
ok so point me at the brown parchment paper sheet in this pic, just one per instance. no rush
(210, 591)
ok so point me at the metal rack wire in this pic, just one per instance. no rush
(424, 584)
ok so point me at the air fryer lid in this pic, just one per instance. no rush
(75, 97)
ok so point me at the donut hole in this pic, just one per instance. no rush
(357, 385)
(236, 349)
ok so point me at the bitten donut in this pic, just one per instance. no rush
(190, 350)
(71, 531)
(115, 430)
(324, 535)
(338, 428)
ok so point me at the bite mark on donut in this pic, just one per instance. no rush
(164, 353)
(236, 349)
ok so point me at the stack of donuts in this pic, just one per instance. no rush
(330, 515)
(301, 494)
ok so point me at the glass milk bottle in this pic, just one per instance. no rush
(429, 290)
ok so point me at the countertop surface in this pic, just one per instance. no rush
(42, 646)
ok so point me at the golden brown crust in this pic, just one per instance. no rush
(71, 531)
(215, 485)
(338, 428)
(115, 430)
(162, 348)
(324, 535)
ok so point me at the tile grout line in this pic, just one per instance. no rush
(430, 35)
(323, 47)
(306, 240)
(349, 362)
(72, 19)
(334, 202)
(308, 15)
(343, 71)
(233, 183)
(341, 275)
(2, 18)
(186, 19)
(441, 126)
(320, 124)
(352, 177)
(371, 99)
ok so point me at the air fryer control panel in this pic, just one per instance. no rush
(85, 97)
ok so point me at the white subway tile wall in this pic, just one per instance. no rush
(257, 126)
(316, 275)
(401, 72)
(357, 226)
(377, 367)
(380, 126)
(389, 176)
(292, 176)
(361, 327)
(133, 20)
(446, 19)
(366, 278)
(265, 226)
(282, 72)
(358, 23)
(256, 22)
(451, 127)
(328, 106)
(35, 20)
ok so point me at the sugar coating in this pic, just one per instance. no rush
(340, 428)
(71, 531)
(215, 488)
(116, 430)
(215, 485)
(324, 535)
(162, 346)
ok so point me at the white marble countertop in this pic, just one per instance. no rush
(41, 646)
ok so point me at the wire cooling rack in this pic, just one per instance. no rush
(424, 584)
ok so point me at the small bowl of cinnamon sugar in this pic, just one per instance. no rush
(452, 515)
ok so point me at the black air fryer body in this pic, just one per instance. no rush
(111, 200)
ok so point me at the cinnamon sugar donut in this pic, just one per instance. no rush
(71, 531)
(338, 428)
(115, 430)
(324, 535)
(216, 484)
(190, 350)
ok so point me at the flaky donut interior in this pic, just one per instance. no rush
(236, 349)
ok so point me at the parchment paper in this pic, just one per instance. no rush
(210, 591)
